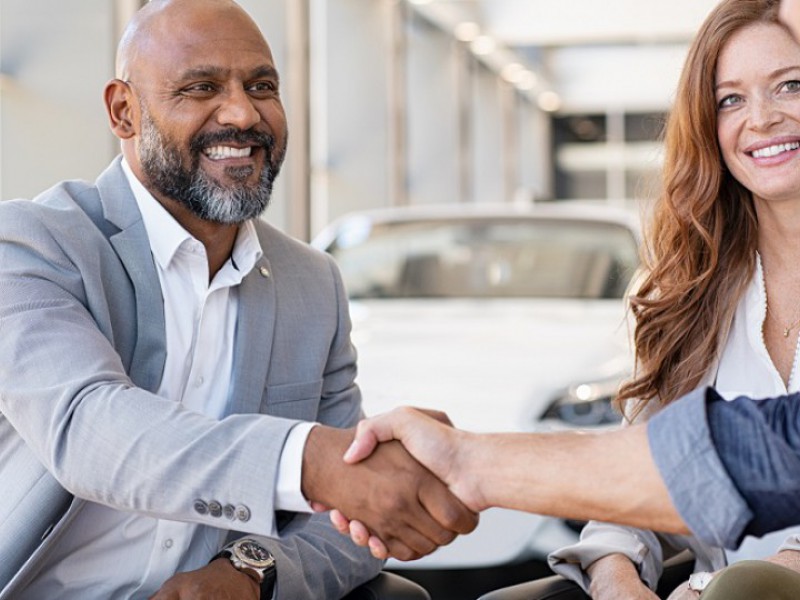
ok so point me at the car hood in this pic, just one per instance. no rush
(492, 365)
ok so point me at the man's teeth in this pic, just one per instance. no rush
(775, 150)
(219, 152)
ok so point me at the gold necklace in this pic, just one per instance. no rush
(788, 329)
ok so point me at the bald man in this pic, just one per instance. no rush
(176, 376)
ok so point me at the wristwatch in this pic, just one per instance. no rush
(699, 581)
(249, 556)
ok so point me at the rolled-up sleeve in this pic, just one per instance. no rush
(759, 444)
(706, 496)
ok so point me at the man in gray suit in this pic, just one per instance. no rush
(164, 355)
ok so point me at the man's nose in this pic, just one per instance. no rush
(238, 110)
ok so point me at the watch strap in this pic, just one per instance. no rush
(270, 575)
(268, 584)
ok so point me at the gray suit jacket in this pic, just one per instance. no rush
(82, 348)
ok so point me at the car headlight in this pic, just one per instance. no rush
(586, 404)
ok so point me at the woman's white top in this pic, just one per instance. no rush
(744, 369)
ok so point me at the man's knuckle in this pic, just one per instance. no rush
(444, 537)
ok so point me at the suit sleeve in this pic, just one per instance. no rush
(65, 391)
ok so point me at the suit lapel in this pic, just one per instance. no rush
(255, 324)
(133, 247)
(255, 328)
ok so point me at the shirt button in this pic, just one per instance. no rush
(167, 544)
(242, 513)
(215, 508)
(199, 381)
(200, 507)
(229, 510)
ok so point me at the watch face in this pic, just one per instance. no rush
(253, 553)
(699, 581)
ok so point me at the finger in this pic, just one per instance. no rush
(319, 507)
(420, 531)
(447, 510)
(359, 533)
(378, 548)
(383, 428)
(363, 443)
(411, 547)
(340, 522)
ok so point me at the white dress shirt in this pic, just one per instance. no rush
(109, 553)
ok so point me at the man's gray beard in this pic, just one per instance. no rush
(194, 188)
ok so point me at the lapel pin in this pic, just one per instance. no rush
(264, 271)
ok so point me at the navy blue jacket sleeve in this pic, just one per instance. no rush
(732, 468)
(759, 445)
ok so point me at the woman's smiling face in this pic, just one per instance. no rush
(758, 103)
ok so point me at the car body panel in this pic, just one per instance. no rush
(491, 363)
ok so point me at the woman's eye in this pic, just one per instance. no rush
(792, 86)
(728, 101)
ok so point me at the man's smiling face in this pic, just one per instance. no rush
(211, 128)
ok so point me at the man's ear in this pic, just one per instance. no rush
(120, 108)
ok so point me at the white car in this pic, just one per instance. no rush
(506, 318)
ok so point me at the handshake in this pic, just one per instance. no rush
(403, 479)
(407, 482)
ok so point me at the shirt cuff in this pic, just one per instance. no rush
(698, 483)
(601, 539)
(288, 493)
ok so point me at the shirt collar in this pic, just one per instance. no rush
(166, 235)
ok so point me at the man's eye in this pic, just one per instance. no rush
(199, 88)
(263, 87)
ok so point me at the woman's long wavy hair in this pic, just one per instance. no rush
(700, 246)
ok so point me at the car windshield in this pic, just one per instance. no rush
(486, 258)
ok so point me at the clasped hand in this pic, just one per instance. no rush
(445, 491)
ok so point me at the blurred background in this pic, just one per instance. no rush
(477, 167)
(391, 102)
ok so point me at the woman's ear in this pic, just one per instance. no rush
(120, 108)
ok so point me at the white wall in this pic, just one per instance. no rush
(55, 58)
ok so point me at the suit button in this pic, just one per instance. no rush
(242, 513)
(200, 507)
(215, 508)
(229, 510)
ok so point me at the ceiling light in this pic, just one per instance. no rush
(483, 45)
(512, 72)
(526, 80)
(467, 31)
(549, 101)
